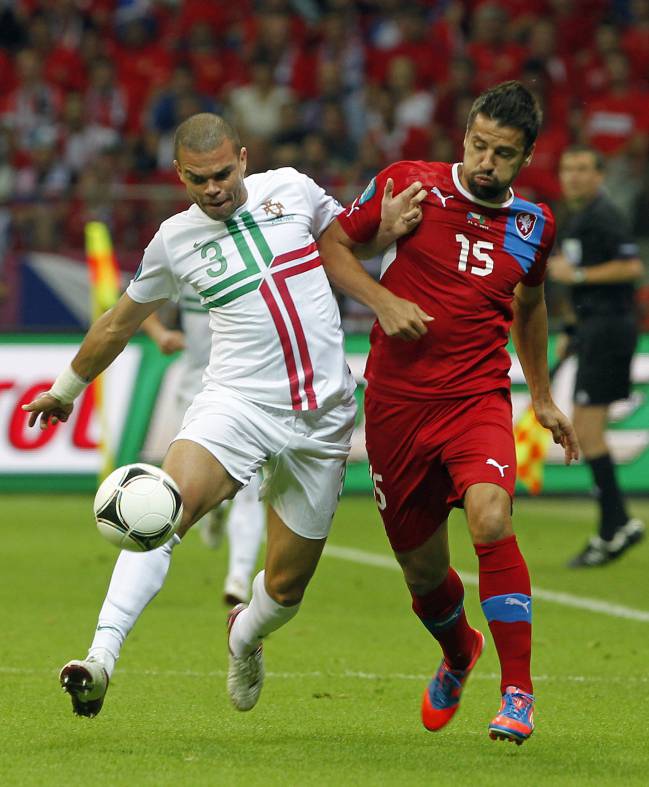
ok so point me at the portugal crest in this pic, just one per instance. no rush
(272, 208)
(525, 223)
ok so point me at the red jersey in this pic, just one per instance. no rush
(460, 265)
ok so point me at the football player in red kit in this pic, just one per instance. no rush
(438, 409)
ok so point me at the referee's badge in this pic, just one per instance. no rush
(525, 223)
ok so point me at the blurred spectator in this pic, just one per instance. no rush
(104, 99)
(66, 21)
(393, 140)
(635, 40)
(257, 107)
(590, 63)
(575, 21)
(278, 36)
(82, 141)
(340, 146)
(412, 41)
(164, 112)
(617, 122)
(6, 192)
(61, 65)
(458, 86)
(496, 57)
(413, 107)
(216, 68)
(337, 49)
(539, 181)
(447, 31)
(143, 65)
(186, 106)
(12, 27)
(331, 89)
(542, 51)
(292, 127)
(39, 189)
(33, 104)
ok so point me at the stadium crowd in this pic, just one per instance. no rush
(91, 90)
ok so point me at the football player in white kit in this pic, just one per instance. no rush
(277, 392)
(244, 518)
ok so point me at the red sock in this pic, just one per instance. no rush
(442, 612)
(505, 595)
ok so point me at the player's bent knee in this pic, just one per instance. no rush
(287, 590)
(488, 526)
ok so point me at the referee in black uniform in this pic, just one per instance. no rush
(599, 260)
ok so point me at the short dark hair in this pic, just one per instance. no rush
(510, 104)
(598, 157)
(204, 132)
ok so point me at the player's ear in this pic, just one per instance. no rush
(528, 158)
(178, 170)
(243, 160)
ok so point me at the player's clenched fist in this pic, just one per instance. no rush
(401, 318)
(49, 408)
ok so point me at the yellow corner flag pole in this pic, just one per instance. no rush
(104, 293)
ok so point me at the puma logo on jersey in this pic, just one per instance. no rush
(442, 197)
(353, 207)
(501, 468)
(516, 601)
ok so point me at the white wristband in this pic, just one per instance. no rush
(67, 386)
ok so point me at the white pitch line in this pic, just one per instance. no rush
(555, 597)
(346, 674)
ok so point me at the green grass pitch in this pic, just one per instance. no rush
(341, 700)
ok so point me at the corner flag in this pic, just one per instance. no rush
(532, 443)
(104, 293)
(104, 272)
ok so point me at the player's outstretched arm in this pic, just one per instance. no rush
(530, 334)
(397, 316)
(104, 341)
(168, 340)
(400, 215)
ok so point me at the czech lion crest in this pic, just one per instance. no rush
(525, 223)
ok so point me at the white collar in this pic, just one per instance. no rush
(466, 193)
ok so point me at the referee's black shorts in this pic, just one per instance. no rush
(604, 344)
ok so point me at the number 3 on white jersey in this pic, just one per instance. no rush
(379, 496)
(477, 252)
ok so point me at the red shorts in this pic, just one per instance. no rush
(425, 455)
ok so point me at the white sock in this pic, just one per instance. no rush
(137, 578)
(245, 526)
(262, 616)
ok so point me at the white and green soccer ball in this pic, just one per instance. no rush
(138, 507)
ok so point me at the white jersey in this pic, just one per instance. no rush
(195, 324)
(276, 332)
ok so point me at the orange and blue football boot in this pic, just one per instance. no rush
(515, 719)
(442, 696)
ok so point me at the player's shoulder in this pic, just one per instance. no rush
(541, 209)
(275, 177)
(179, 221)
(531, 221)
(411, 170)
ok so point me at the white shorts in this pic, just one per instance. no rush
(302, 454)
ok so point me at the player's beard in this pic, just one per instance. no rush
(494, 192)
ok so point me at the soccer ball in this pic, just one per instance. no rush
(138, 507)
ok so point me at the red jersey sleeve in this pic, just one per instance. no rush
(362, 218)
(536, 274)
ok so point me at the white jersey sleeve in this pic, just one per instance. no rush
(154, 279)
(324, 208)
